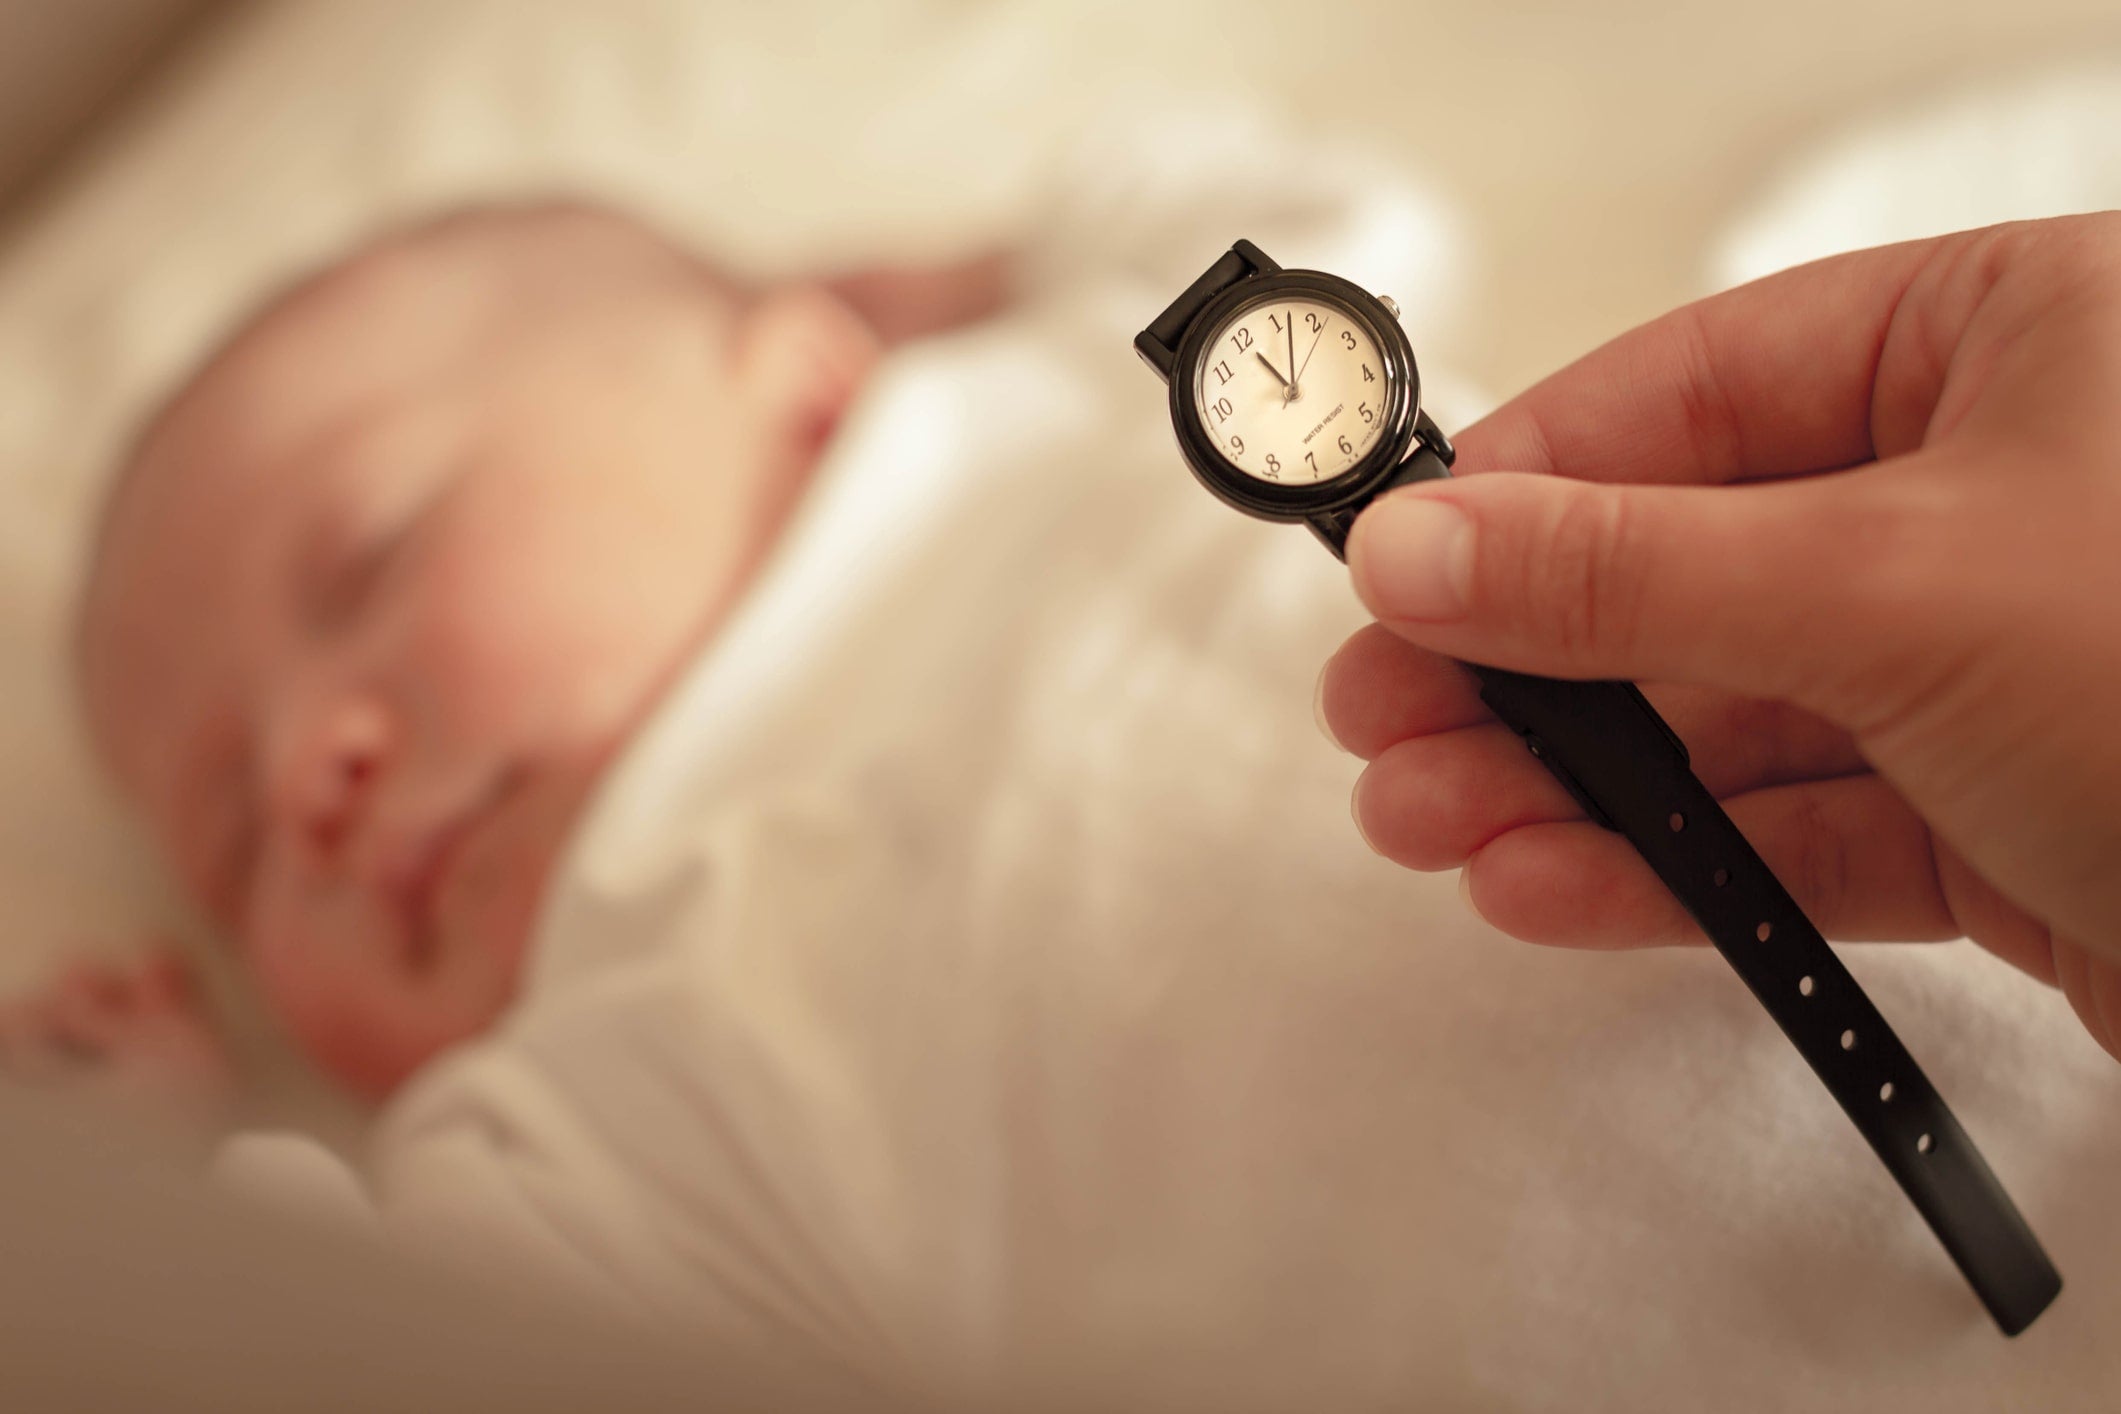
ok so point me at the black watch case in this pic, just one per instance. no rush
(1251, 494)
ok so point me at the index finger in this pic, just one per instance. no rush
(1772, 378)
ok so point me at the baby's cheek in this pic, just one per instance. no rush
(325, 1007)
(552, 642)
(522, 678)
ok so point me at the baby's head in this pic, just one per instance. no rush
(383, 589)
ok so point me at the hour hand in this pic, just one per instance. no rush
(1271, 368)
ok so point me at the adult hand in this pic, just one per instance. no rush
(1856, 528)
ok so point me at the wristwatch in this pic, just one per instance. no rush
(1295, 397)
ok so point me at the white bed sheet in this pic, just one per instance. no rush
(779, 135)
(2012, 147)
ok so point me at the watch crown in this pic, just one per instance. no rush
(1391, 305)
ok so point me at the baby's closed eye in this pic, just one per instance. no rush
(341, 575)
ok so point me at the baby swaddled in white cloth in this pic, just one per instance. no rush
(942, 946)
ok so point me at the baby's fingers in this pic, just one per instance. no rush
(79, 1019)
(91, 1008)
(164, 978)
(34, 1049)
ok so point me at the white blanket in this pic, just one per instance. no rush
(1298, 1113)
(972, 975)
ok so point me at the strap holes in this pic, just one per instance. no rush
(1764, 931)
(1721, 877)
(1924, 1144)
(1885, 1091)
(1805, 986)
(1677, 822)
(1848, 1040)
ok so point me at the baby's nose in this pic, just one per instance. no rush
(331, 778)
(336, 805)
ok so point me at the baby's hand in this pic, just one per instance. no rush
(130, 1034)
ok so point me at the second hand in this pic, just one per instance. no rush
(1314, 347)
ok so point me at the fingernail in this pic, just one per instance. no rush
(1415, 554)
(1355, 810)
(1318, 708)
(1465, 891)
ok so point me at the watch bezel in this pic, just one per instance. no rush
(1248, 493)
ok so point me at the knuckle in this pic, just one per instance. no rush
(2085, 244)
(1903, 548)
(2070, 261)
(1822, 864)
(1583, 575)
(1710, 419)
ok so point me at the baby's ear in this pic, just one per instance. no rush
(802, 353)
(903, 302)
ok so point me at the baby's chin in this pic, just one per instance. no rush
(473, 972)
(491, 913)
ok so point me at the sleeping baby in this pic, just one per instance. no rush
(376, 600)
(804, 823)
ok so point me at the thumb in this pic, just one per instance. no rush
(1759, 589)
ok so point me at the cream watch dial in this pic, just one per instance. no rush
(1291, 390)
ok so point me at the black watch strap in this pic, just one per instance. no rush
(1158, 344)
(1630, 772)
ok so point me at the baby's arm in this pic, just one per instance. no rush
(901, 302)
(134, 1036)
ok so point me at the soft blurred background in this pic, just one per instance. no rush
(164, 162)
(1598, 149)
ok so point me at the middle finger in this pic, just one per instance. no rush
(1379, 691)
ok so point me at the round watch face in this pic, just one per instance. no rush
(1291, 388)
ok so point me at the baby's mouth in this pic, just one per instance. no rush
(419, 893)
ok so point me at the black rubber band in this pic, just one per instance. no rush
(1158, 343)
(1618, 758)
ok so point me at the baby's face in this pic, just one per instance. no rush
(386, 591)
